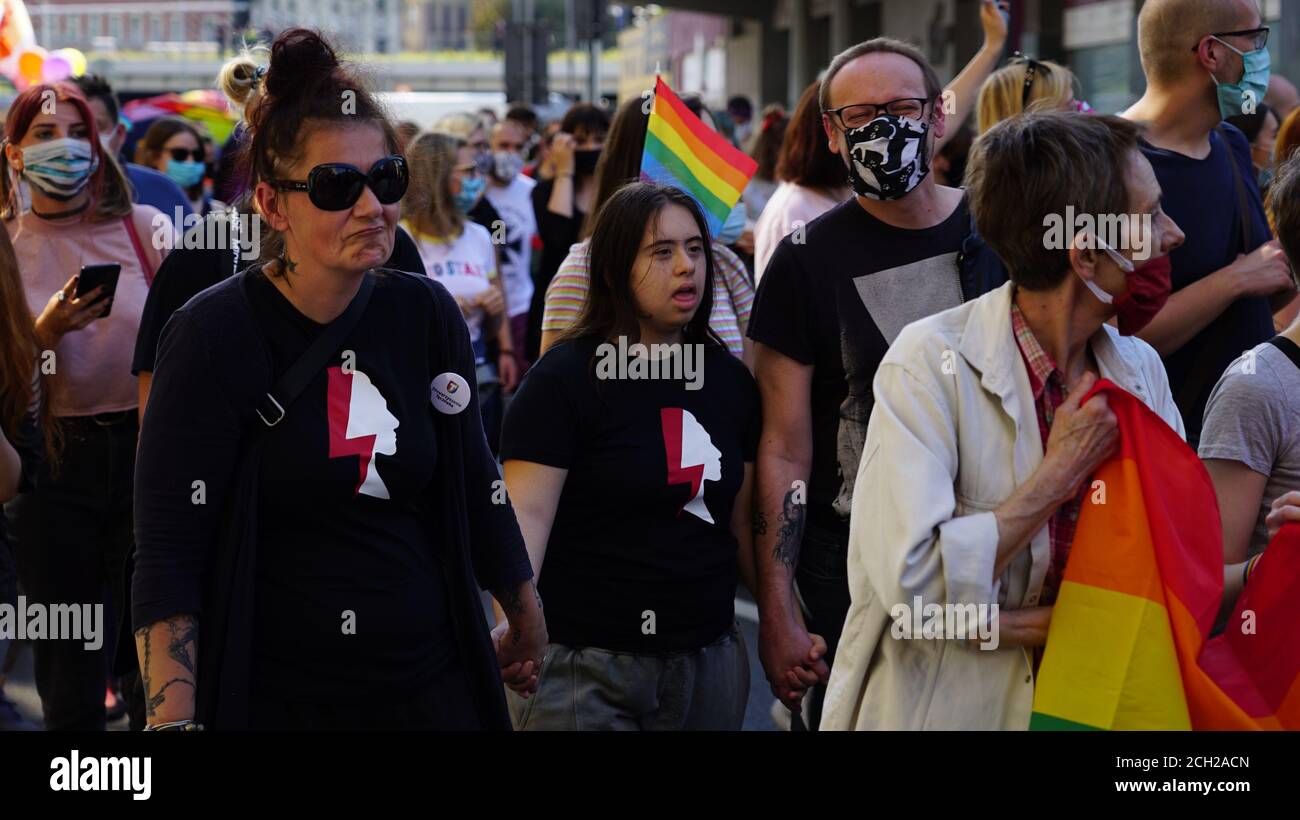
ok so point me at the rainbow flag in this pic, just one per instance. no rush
(1128, 646)
(682, 151)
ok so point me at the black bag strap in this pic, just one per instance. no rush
(1243, 204)
(1288, 347)
(273, 406)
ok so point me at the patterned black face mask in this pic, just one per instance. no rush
(888, 156)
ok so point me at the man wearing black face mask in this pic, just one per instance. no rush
(833, 297)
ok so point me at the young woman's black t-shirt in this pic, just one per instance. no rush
(641, 556)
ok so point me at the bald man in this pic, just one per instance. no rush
(1204, 60)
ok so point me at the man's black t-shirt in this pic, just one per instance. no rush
(1200, 196)
(642, 535)
(189, 269)
(836, 300)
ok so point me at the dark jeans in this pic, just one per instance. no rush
(446, 705)
(71, 536)
(823, 579)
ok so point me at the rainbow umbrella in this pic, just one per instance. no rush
(206, 106)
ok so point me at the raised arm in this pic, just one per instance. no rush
(964, 89)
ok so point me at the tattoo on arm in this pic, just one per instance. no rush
(790, 533)
(181, 641)
(760, 523)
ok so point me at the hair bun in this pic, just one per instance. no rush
(299, 58)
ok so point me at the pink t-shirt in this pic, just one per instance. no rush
(92, 365)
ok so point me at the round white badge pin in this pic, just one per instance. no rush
(449, 393)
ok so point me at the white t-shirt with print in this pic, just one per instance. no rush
(466, 266)
(515, 204)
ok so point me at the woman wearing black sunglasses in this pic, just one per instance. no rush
(311, 538)
(175, 148)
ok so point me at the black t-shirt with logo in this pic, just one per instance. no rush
(836, 298)
(642, 536)
(342, 528)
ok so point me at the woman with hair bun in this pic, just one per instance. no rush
(217, 247)
(315, 508)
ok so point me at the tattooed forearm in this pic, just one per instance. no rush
(760, 523)
(175, 663)
(512, 603)
(790, 533)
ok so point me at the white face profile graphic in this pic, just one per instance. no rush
(692, 458)
(367, 426)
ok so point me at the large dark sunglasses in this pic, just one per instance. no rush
(182, 154)
(336, 186)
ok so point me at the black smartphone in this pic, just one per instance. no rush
(92, 276)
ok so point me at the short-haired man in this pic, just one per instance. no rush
(148, 187)
(833, 296)
(511, 193)
(1205, 60)
(979, 448)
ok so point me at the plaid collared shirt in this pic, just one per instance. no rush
(1048, 385)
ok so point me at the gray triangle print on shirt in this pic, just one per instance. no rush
(896, 297)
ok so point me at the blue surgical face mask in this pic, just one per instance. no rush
(734, 226)
(1252, 86)
(470, 190)
(186, 174)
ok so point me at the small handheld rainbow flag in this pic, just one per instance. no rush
(1129, 645)
(682, 151)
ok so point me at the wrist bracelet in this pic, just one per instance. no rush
(175, 726)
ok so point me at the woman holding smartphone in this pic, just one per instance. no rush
(633, 494)
(72, 530)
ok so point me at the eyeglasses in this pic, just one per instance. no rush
(1031, 66)
(859, 114)
(336, 186)
(1122, 261)
(182, 154)
(1258, 37)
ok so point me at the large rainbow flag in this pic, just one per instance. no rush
(1128, 646)
(681, 150)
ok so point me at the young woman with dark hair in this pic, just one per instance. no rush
(563, 201)
(634, 491)
(71, 529)
(175, 148)
(327, 575)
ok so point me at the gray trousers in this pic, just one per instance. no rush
(591, 689)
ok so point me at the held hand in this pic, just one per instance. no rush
(994, 24)
(65, 312)
(782, 648)
(1285, 509)
(521, 651)
(1262, 272)
(562, 154)
(1082, 437)
(745, 244)
(1022, 627)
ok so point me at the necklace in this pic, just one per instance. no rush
(61, 214)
